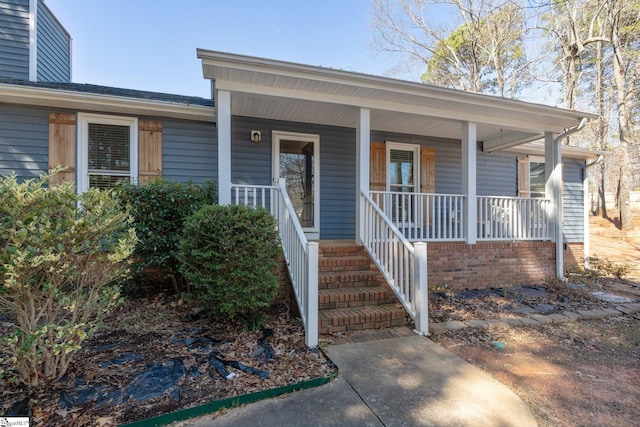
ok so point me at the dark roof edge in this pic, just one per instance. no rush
(113, 91)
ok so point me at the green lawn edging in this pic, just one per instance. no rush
(230, 402)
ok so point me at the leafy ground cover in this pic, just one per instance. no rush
(157, 355)
(582, 373)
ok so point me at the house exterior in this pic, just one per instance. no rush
(437, 185)
(33, 44)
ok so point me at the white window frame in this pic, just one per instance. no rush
(535, 159)
(82, 149)
(416, 162)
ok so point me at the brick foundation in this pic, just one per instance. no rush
(573, 255)
(488, 264)
(285, 291)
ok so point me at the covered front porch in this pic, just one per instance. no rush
(393, 207)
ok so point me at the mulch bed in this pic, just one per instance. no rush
(156, 356)
(446, 304)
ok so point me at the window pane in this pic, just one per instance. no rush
(401, 169)
(106, 181)
(108, 147)
(296, 165)
(536, 179)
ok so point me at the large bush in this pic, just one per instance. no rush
(59, 255)
(160, 209)
(228, 255)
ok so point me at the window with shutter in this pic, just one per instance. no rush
(402, 167)
(536, 179)
(107, 151)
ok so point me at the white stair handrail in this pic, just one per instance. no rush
(302, 263)
(403, 265)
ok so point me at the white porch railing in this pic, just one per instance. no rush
(513, 218)
(424, 216)
(403, 265)
(256, 196)
(301, 255)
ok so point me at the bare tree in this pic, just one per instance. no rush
(623, 21)
(481, 49)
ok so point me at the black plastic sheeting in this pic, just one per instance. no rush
(158, 379)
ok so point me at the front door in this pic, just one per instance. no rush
(403, 170)
(295, 157)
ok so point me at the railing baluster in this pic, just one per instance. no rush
(392, 252)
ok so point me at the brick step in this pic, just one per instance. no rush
(355, 297)
(359, 318)
(349, 263)
(334, 280)
(341, 251)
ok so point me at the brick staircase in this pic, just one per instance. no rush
(352, 293)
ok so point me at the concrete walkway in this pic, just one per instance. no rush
(405, 381)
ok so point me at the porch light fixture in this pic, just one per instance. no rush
(256, 136)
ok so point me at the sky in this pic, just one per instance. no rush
(151, 44)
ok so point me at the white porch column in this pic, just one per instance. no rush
(469, 143)
(223, 108)
(363, 145)
(553, 191)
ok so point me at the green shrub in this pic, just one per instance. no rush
(160, 209)
(57, 264)
(228, 254)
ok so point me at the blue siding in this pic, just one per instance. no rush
(189, 151)
(54, 48)
(448, 158)
(497, 174)
(573, 206)
(251, 164)
(14, 39)
(24, 141)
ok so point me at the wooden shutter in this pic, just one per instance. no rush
(427, 170)
(150, 151)
(427, 178)
(62, 146)
(523, 176)
(377, 167)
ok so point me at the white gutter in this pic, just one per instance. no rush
(560, 203)
(573, 129)
(595, 162)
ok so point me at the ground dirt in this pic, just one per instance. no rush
(584, 373)
(124, 373)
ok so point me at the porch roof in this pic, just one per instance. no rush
(280, 90)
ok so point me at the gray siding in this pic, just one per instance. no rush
(251, 164)
(24, 140)
(14, 39)
(189, 151)
(573, 207)
(54, 48)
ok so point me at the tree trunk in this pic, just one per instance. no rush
(624, 100)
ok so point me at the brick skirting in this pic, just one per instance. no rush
(573, 255)
(490, 264)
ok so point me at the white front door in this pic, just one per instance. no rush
(296, 158)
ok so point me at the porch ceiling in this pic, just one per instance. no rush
(323, 113)
(285, 91)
